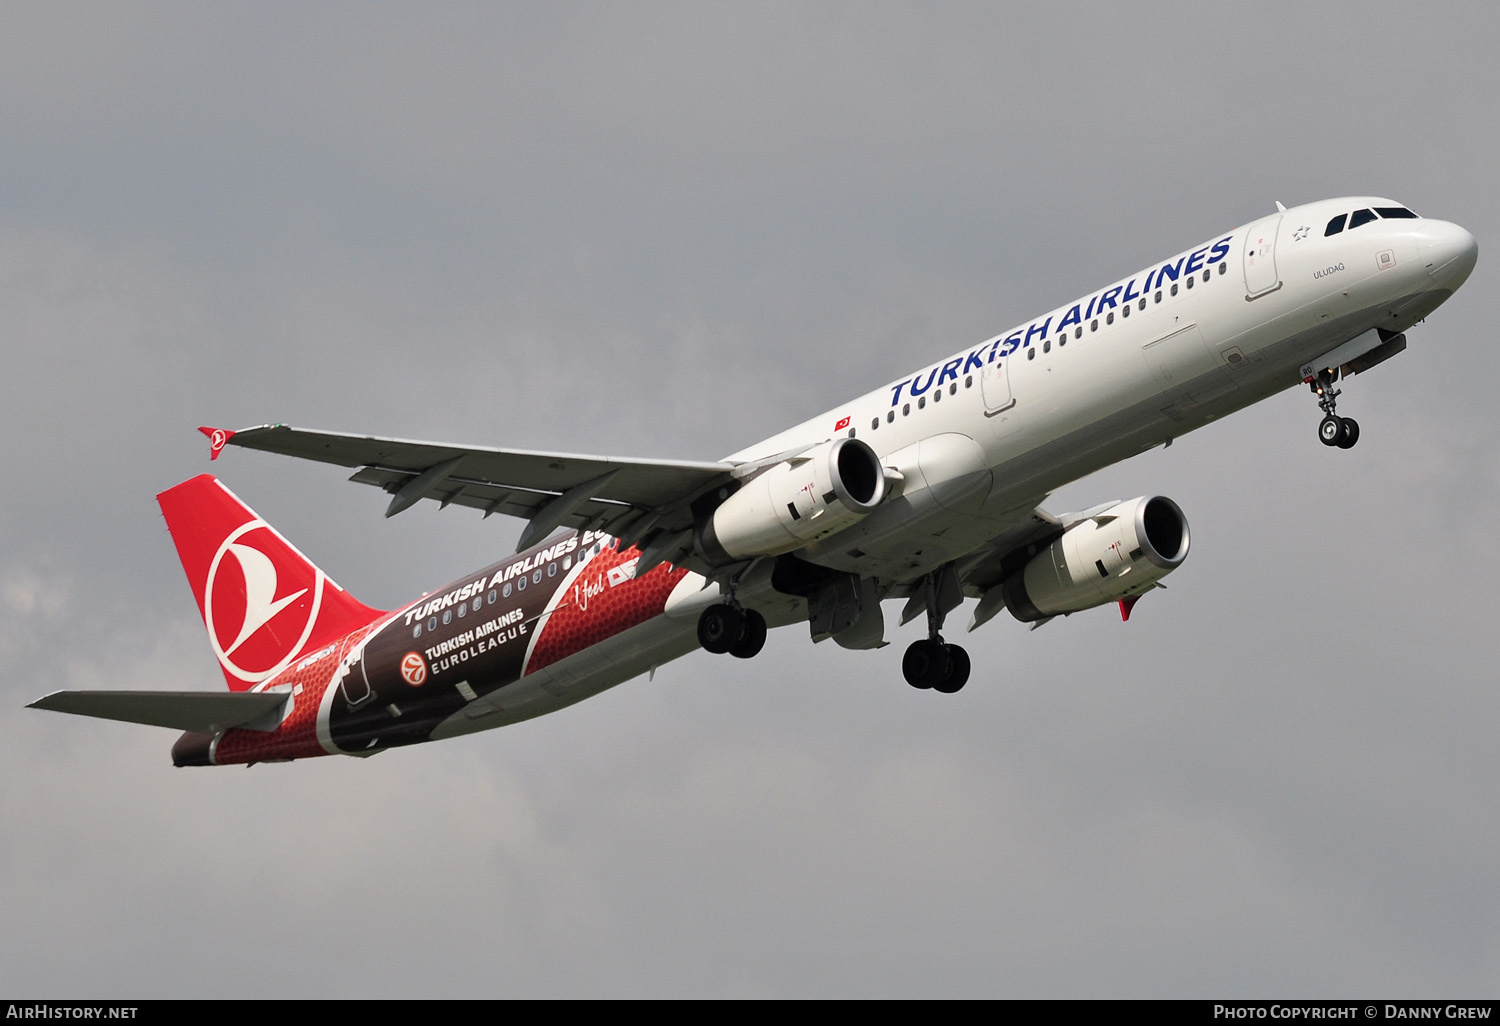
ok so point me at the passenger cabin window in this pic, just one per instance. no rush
(1336, 225)
(1360, 217)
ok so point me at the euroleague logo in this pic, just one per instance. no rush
(254, 631)
(413, 669)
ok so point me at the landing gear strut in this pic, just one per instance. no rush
(1333, 429)
(932, 662)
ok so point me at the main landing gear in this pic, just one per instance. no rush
(1333, 430)
(730, 628)
(932, 662)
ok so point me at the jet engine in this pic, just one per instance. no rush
(1118, 554)
(799, 500)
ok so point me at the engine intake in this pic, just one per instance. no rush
(800, 500)
(1119, 553)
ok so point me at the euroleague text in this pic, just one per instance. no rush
(460, 649)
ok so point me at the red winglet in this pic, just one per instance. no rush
(1126, 605)
(217, 437)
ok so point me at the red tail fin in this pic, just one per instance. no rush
(263, 602)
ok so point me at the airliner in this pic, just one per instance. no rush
(926, 491)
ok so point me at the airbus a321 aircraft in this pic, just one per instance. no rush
(925, 490)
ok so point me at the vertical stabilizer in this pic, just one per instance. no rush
(263, 602)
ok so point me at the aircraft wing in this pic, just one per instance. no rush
(628, 498)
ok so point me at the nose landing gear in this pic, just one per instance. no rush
(1333, 429)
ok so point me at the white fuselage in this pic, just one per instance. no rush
(1060, 396)
(979, 439)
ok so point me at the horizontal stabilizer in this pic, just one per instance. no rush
(206, 712)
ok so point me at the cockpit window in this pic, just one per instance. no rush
(1360, 217)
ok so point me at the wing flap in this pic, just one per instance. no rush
(206, 712)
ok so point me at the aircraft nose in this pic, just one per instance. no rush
(1449, 253)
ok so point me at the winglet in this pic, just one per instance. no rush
(217, 439)
(1126, 605)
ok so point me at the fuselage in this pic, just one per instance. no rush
(973, 439)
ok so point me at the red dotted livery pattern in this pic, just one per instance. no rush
(594, 610)
(297, 737)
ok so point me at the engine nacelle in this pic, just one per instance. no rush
(805, 498)
(1119, 553)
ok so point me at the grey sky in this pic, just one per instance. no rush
(669, 230)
